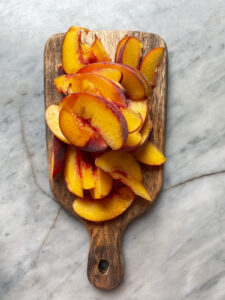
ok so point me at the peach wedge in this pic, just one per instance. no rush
(130, 52)
(150, 62)
(133, 81)
(104, 209)
(150, 155)
(103, 184)
(57, 156)
(52, 120)
(92, 113)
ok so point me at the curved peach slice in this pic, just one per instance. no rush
(106, 208)
(72, 59)
(97, 114)
(98, 85)
(111, 74)
(136, 87)
(134, 120)
(72, 171)
(119, 46)
(52, 120)
(140, 107)
(150, 155)
(150, 62)
(103, 184)
(133, 141)
(130, 52)
(99, 51)
(87, 173)
(123, 166)
(57, 156)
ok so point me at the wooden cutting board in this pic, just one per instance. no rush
(105, 262)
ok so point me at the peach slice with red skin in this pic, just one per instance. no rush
(105, 209)
(99, 51)
(103, 184)
(52, 120)
(150, 62)
(72, 171)
(96, 114)
(133, 81)
(150, 155)
(57, 156)
(99, 85)
(87, 173)
(123, 166)
(119, 46)
(130, 52)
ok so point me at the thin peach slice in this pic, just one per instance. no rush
(103, 184)
(72, 59)
(130, 52)
(134, 120)
(57, 156)
(136, 87)
(52, 120)
(99, 51)
(150, 62)
(98, 114)
(99, 86)
(119, 46)
(141, 107)
(150, 155)
(87, 173)
(106, 208)
(72, 171)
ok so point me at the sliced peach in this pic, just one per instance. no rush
(133, 141)
(136, 87)
(87, 173)
(52, 120)
(72, 171)
(110, 73)
(72, 59)
(99, 51)
(123, 166)
(134, 120)
(97, 114)
(130, 52)
(87, 53)
(99, 85)
(106, 208)
(119, 46)
(140, 107)
(103, 184)
(150, 155)
(57, 156)
(150, 62)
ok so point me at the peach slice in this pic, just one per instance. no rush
(141, 107)
(150, 62)
(99, 51)
(87, 174)
(123, 166)
(57, 156)
(119, 46)
(96, 114)
(133, 81)
(130, 52)
(133, 141)
(111, 74)
(103, 184)
(99, 86)
(72, 171)
(134, 120)
(72, 59)
(106, 208)
(150, 155)
(52, 120)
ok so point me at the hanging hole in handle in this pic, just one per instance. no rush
(103, 266)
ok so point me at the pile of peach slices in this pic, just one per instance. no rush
(101, 127)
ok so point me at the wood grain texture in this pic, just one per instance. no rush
(105, 237)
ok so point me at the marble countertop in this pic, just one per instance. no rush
(176, 250)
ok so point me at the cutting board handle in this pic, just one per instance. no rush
(105, 262)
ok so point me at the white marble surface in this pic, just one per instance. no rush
(176, 250)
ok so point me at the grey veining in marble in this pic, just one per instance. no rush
(176, 250)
